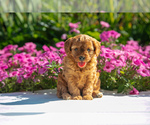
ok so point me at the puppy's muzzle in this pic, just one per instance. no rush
(81, 58)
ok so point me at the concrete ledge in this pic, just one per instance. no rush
(43, 107)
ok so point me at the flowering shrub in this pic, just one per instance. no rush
(109, 36)
(125, 67)
(122, 67)
(25, 68)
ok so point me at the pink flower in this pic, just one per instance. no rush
(52, 56)
(106, 55)
(104, 36)
(2, 52)
(54, 77)
(132, 43)
(116, 62)
(117, 53)
(53, 48)
(64, 36)
(36, 80)
(45, 48)
(134, 92)
(27, 67)
(130, 48)
(60, 44)
(143, 72)
(105, 50)
(19, 79)
(10, 47)
(19, 56)
(3, 67)
(113, 45)
(104, 24)
(34, 68)
(141, 50)
(62, 51)
(113, 34)
(74, 25)
(3, 75)
(74, 30)
(42, 70)
(30, 60)
(109, 36)
(108, 67)
(21, 49)
(6, 55)
(21, 71)
(148, 65)
(27, 75)
(30, 45)
(3, 84)
(99, 71)
(27, 55)
(147, 49)
(137, 62)
(12, 63)
(38, 53)
(13, 73)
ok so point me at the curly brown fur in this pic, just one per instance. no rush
(79, 78)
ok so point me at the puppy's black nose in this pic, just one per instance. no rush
(81, 58)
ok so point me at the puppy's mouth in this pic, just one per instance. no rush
(81, 64)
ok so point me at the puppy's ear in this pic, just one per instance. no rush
(97, 47)
(68, 44)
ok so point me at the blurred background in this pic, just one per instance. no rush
(44, 21)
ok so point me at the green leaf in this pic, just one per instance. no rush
(53, 63)
(56, 40)
(121, 88)
(94, 34)
(121, 72)
(20, 17)
(113, 79)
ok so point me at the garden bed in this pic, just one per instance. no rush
(122, 67)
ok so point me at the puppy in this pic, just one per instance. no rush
(79, 78)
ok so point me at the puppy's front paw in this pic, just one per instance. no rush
(97, 94)
(100, 95)
(76, 97)
(66, 96)
(87, 97)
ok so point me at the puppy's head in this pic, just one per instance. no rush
(82, 48)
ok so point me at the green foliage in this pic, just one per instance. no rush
(47, 28)
(95, 34)
(28, 28)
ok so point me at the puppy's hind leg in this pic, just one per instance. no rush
(62, 89)
(96, 89)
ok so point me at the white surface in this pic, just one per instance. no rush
(43, 108)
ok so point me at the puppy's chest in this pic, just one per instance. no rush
(81, 79)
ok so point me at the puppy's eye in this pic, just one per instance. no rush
(88, 50)
(76, 49)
